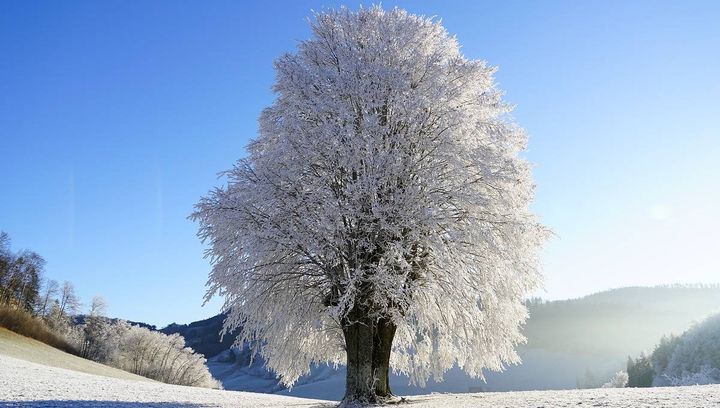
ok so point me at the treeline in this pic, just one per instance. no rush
(45, 310)
(689, 359)
(20, 276)
(23, 285)
(26, 299)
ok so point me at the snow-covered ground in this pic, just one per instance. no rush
(25, 384)
(540, 370)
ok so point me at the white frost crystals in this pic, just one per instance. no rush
(386, 175)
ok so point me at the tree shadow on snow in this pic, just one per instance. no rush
(98, 404)
(115, 404)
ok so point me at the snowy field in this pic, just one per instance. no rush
(25, 384)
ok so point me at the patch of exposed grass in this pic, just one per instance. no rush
(22, 322)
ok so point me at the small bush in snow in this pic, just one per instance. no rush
(619, 380)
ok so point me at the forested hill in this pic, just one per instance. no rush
(625, 320)
(204, 335)
(81, 319)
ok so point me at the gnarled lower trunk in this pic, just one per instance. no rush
(368, 343)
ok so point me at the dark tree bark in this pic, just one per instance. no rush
(368, 343)
(382, 346)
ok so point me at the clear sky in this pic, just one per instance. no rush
(116, 116)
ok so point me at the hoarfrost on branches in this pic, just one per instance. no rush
(387, 177)
(619, 380)
(694, 357)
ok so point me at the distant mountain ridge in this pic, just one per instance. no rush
(574, 342)
(204, 335)
(624, 320)
(80, 319)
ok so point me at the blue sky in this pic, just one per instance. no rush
(115, 118)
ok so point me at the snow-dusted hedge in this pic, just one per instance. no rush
(138, 350)
(619, 380)
(161, 357)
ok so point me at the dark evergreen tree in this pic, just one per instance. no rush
(663, 352)
(640, 371)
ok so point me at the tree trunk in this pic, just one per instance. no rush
(368, 344)
(382, 346)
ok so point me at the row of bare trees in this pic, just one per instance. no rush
(24, 286)
(20, 276)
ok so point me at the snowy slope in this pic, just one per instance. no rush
(705, 396)
(25, 384)
(15, 345)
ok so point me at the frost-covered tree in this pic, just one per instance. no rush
(663, 352)
(619, 380)
(58, 321)
(695, 356)
(98, 306)
(94, 335)
(158, 356)
(381, 217)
